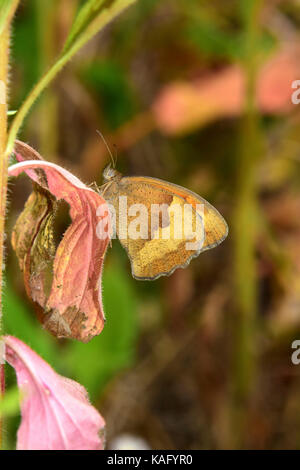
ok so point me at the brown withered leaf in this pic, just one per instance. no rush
(32, 240)
(65, 285)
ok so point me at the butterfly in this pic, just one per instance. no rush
(150, 229)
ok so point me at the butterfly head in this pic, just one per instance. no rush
(110, 173)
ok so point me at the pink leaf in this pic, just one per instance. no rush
(56, 413)
(73, 308)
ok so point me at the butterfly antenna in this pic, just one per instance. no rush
(116, 153)
(108, 149)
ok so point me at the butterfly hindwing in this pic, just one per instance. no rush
(157, 245)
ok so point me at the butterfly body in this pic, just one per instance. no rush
(166, 210)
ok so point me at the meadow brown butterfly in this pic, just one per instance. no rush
(161, 225)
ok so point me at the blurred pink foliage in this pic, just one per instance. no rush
(184, 106)
(56, 413)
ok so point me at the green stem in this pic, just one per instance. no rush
(7, 11)
(4, 52)
(105, 17)
(245, 221)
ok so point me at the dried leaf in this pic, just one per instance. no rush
(34, 226)
(56, 413)
(72, 303)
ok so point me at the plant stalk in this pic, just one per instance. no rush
(105, 17)
(4, 52)
(245, 229)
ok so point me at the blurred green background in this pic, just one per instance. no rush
(197, 93)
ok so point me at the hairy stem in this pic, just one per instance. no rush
(4, 51)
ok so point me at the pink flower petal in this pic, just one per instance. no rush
(56, 413)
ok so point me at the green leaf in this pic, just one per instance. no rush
(7, 11)
(97, 23)
(212, 40)
(87, 12)
(9, 405)
(95, 363)
(19, 321)
(109, 84)
(25, 40)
